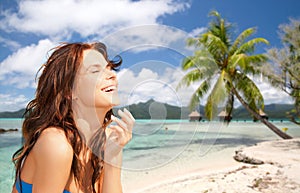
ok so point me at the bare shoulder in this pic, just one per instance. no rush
(53, 145)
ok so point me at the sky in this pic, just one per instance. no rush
(149, 35)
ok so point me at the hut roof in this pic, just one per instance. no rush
(261, 113)
(194, 114)
(223, 114)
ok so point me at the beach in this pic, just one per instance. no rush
(180, 156)
(217, 171)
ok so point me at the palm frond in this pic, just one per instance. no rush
(191, 77)
(201, 58)
(192, 42)
(247, 64)
(201, 66)
(256, 59)
(217, 96)
(236, 60)
(240, 39)
(210, 108)
(188, 62)
(250, 91)
(220, 28)
(205, 71)
(215, 14)
(251, 64)
(215, 46)
(249, 46)
(199, 93)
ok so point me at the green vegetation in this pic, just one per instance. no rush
(141, 111)
(274, 112)
(15, 114)
(223, 66)
(283, 71)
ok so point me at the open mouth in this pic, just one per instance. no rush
(109, 89)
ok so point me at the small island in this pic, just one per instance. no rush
(7, 130)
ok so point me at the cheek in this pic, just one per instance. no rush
(86, 91)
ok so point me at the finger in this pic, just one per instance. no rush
(121, 132)
(119, 122)
(113, 137)
(125, 117)
(118, 130)
(122, 137)
(129, 115)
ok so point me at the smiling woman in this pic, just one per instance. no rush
(69, 146)
(96, 82)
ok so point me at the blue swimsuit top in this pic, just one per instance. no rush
(27, 188)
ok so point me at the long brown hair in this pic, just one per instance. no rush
(52, 106)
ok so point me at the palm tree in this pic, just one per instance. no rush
(226, 64)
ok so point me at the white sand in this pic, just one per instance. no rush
(218, 172)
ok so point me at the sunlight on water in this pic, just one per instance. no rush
(158, 142)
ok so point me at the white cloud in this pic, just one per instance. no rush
(10, 102)
(272, 94)
(26, 61)
(52, 18)
(96, 19)
(146, 37)
(20, 68)
(147, 84)
(197, 31)
(13, 45)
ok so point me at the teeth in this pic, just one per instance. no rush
(110, 88)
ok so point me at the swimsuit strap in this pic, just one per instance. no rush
(27, 188)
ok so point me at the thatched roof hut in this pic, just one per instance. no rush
(224, 116)
(195, 116)
(263, 114)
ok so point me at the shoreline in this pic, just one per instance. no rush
(219, 172)
(200, 166)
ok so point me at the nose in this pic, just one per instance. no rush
(110, 74)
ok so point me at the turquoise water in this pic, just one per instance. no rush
(9, 143)
(157, 142)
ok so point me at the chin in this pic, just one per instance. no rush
(115, 103)
(109, 103)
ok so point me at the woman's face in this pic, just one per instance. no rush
(96, 83)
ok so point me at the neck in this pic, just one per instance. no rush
(88, 119)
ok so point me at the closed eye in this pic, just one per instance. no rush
(95, 71)
(95, 68)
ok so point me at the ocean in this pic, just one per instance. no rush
(9, 143)
(156, 143)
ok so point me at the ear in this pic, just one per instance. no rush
(74, 97)
(73, 94)
(71, 97)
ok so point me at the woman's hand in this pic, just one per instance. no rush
(120, 135)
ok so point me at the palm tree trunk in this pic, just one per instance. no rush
(280, 133)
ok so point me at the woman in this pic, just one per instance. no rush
(69, 145)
